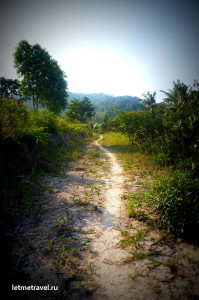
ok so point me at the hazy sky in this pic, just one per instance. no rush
(125, 47)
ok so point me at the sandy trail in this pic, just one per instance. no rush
(88, 245)
(113, 277)
(140, 279)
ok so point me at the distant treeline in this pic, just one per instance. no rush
(104, 103)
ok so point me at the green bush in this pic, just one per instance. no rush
(163, 159)
(46, 120)
(177, 201)
(13, 118)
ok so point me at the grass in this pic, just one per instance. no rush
(140, 206)
(141, 256)
(114, 139)
(131, 240)
(136, 163)
(51, 247)
(61, 223)
(150, 256)
(142, 170)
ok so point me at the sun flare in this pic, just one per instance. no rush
(86, 68)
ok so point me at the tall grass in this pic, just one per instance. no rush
(35, 142)
(133, 160)
(172, 194)
(115, 139)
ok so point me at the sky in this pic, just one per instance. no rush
(125, 47)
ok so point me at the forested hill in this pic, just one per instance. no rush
(106, 103)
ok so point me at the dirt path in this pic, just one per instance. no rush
(112, 276)
(75, 243)
(172, 275)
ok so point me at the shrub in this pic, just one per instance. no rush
(45, 119)
(163, 159)
(13, 118)
(177, 201)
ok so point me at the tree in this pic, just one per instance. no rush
(9, 88)
(181, 117)
(80, 110)
(178, 94)
(43, 80)
(149, 101)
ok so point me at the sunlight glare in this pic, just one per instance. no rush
(94, 71)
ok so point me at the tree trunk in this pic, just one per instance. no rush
(33, 100)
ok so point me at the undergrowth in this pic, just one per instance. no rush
(133, 161)
(168, 198)
(33, 143)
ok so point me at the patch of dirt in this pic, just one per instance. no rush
(75, 244)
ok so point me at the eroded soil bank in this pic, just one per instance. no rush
(76, 243)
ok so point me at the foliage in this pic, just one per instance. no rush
(9, 88)
(174, 195)
(133, 161)
(115, 139)
(135, 206)
(37, 136)
(80, 110)
(169, 129)
(149, 101)
(180, 90)
(139, 126)
(130, 240)
(104, 103)
(43, 80)
(177, 200)
(13, 118)
(181, 121)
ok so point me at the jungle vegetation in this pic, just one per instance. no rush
(40, 139)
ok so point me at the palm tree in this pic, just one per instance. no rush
(149, 101)
(178, 94)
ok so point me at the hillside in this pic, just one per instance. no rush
(106, 103)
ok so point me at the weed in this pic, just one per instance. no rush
(98, 162)
(63, 259)
(76, 200)
(88, 247)
(93, 170)
(51, 247)
(89, 276)
(61, 223)
(85, 193)
(90, 266)
(50, 188)
(149, 256)
(131, 240)
(141, 256)
(74, 277)
(65, 240)
(74, 251)
(30, 205)
(190, 259)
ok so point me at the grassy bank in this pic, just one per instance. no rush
(133, 161)
(31, 146)
(168, 193)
